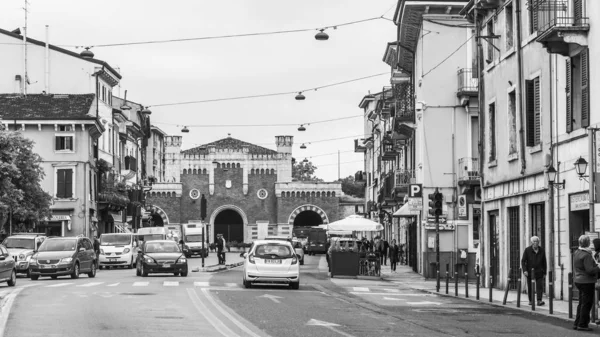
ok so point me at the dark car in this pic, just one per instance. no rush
(59, 256)
(8, 271)
(161, 256)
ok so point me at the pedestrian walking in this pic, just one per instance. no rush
(220, 247)
(534, 258)
(586, 274)
(96, 246)
(223, 250)
(384, 253)
(394, 252)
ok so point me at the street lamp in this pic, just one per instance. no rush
(551, 174)
(300, 97)
(303, 146)
(321, 35)
(581, 168)
(301, 128)
(185, 129)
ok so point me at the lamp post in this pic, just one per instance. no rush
(552, 184)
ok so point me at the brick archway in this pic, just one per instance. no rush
(308, 207)
(161, 213)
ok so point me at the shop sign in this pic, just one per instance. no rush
(579, 202)
(443, 226)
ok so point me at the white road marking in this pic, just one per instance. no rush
(91, 284)
(201, 284)
(170, 284)
(360, 289)
(113, 285)
(271, 297)
(393, 294)
(424, 303)
(394, 299)
(210, 317)
(231, 285)
(328, 325)
(6, 306)
(59, 285)
(140, 284)
(227, 314)
(392, 290)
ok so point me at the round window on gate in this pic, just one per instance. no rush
(262, 193)
(194, 194)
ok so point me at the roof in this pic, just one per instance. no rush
(230, 143)
(61, 50)
(47, 107)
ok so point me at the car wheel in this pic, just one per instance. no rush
(302, 262)
(34, 277)
(75, 273)
(54, 277)
(184, 274)
(295, 285)
(144, 273)
(13, 279)
(92, 272)
(137, 271)
(247, 284)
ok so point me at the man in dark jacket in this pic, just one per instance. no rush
(534, 258)
(384, 251)
(220, 248)
(586, 271)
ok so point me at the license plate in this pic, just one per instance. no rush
(113, 258)
(166, 265)
(42, 266)
(273, 261)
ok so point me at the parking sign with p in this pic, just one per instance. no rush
(415, 191)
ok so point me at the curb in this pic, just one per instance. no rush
(218, 267)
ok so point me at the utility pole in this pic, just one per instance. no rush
(25, 79)
(338, 164)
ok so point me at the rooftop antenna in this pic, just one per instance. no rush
(26, 78)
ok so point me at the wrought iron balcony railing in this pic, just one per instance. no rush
(468, 82)
(569, 14)
(468, 169)
(404, 177)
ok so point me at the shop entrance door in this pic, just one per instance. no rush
(494, 248)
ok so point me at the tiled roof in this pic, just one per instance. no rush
(230, 143)
(40, 106)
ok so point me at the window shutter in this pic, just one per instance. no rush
(530, 112)
(60, 183)
(537, 123)
(585, 88)
(577, 12)
(492, 116)
(69, 143)
(57, 143)
(568, 94)
(68, 183)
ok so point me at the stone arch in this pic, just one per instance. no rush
(308, 207)
(262, 171)
(312, 194)
(251, 171)
(302, 194)
(288, 194)
(238, 165)
(333, 194)
(216, 212)
(293, 194)
(328, 194)
(161, 213)
(318, 194)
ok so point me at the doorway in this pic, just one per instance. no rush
(494, 248)
(514, 246)
(229, 223)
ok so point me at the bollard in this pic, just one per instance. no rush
(551, 292)
(466, 284)
(532, 295)
(455, 283)
(491, 286)
(437, 284)
(447, 278)
(519, 289)
(570, 280)
(507, 287)
(477, 281)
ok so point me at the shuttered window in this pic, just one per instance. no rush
(492, 123)
(585, 88)
(578, 91)
(63, 143)
(64, 184)
(533, 17)
(532, 112)
(568, 91)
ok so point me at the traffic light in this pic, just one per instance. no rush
(203, 207)
(436, 203)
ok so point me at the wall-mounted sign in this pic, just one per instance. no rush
(415, 191)
(228, 183)
(415, 205)
(462, 207)
(194, 194)
(579, 201)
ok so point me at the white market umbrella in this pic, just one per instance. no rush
(355, 223)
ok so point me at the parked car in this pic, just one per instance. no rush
(299, 249)
(58, 256)
(118, 249)
(8, 271)
(161, 256)
(22, 247)
(271, 262)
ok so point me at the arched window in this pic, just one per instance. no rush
(238, 165)
(153, 194)
(184, 171)
(195, 171)
(328, 194)
(318, 194)
(282, 194)
(312, 194)
(262, 171)
(218, 165)
(303, 194)
(333, 194)
(267, 171)
(164, 195)
(203, 171)
(287, 194)
(293, 194)
(272, 171)
(252, 171)
(228, 165)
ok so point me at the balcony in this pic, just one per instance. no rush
(129, 169)
(358, 146)
(111, 195)
(468, 173)
(388, 149)
(562, 25)
(387, 104)
(468, 83)
(404, 101)
(402, 178)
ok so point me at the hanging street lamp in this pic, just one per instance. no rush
(301, 128)
(300, 97)
(303, 146)
(321, 35)
(185, 129)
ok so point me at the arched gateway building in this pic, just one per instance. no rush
(249, 190)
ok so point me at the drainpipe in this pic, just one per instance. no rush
(550, 187)
(520, 85)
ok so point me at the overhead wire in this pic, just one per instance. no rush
(448, 57)
(257, 125)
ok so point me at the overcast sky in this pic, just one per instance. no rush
(241, 66)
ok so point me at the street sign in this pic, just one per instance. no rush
(415, 190)
(462, 207)
(415, 205)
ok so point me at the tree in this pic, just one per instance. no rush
(20, 177)
(351, 187)
(304, 171)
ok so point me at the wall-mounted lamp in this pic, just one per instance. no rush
(581, 167)
(551, 175)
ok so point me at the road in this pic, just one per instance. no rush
(117, 303)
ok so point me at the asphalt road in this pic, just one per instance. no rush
(118, 303)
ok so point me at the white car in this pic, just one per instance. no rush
(271, 262)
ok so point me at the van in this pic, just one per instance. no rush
(151, 233)
(193, 240)
(118, 249)
(317, 241)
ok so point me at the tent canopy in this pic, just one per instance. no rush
(355, 223)
(403, 211)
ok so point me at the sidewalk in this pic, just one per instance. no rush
(406, 276)
(232, 259)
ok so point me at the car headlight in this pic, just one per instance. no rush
(66, 260)
(21, 256)
(126, 250)
(28, 258)
(101, 251)
(33, 260)
(149, 260)
(182, 260)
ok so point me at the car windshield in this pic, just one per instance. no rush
(114, 239)
(193, 238)
(57, 245)
(150, 237)
(273, 250)
(162, 247)
(19, 243)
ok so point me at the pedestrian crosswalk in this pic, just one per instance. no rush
(199, 284)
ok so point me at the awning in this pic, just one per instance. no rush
(404, 211)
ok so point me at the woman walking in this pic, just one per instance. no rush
(393, 251)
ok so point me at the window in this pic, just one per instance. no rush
(578, 91)
(492, 123)
(512, 123)
(533, 17)
(490, 46)
(64, 183)
(103, 93)
(514, 246)
(537, 221)
(532, 112)
(508, 14)
(64, 141)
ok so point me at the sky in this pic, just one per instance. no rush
(164, 73)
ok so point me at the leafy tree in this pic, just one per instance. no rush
(20, 177)
(351, 187)
(304, 171)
